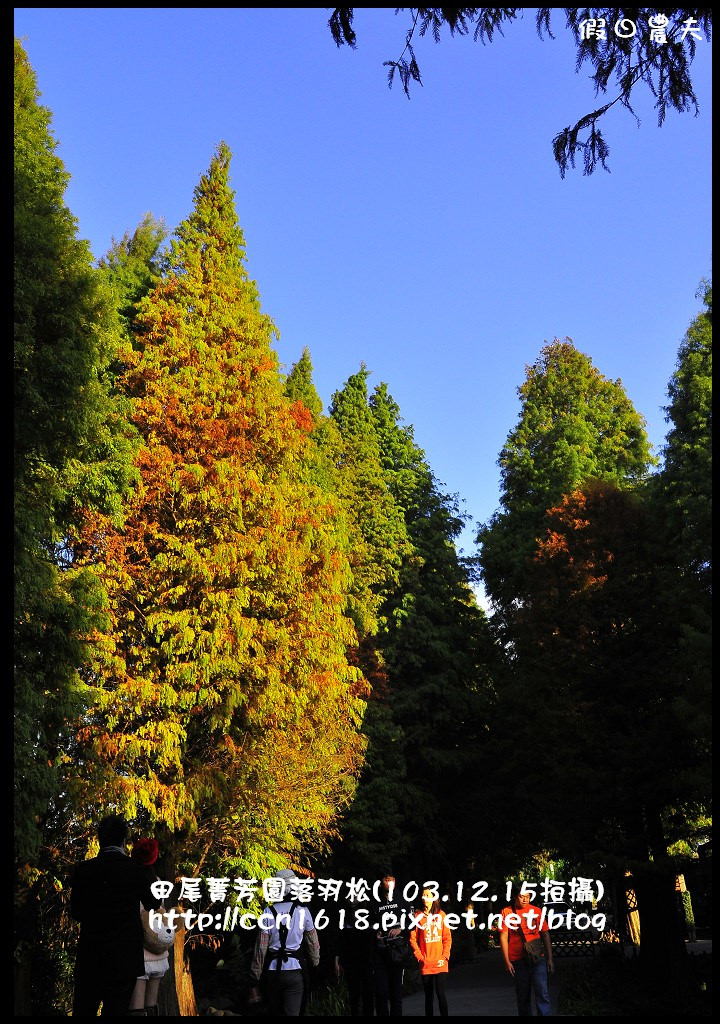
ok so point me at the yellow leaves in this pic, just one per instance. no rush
(224, 680)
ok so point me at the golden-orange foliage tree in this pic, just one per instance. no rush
(223, 711)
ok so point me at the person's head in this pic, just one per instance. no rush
(431, 904)
(388, 879)
(287, 875)
(145, 851)
(519, 899)
(112, 830)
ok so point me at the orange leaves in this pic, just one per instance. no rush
(553, 544)
(584, 562)
(302, 416)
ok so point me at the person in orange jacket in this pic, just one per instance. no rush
(431, 940)
(529, 980)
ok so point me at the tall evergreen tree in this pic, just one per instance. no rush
(686, 476)
(365, 491)
(380, 542)
(438, 652)
(595, 684)
(364, 839)
(224, 710)
(594, 704)
(73, 449)
(133, 266)
(326, 464)
(574, 425)
(71, 446)
(299, 385)
(682, 493)
(431, 672)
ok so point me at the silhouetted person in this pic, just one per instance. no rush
(105, 898)
(354, 952)
(386, 918)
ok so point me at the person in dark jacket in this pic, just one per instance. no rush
(388, 918)
(105, 898)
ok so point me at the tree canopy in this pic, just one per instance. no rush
(431, 660)
(575, 424)
(687, 468)
(220, 689)
(658, 56)
(604, 696)
(72, 446)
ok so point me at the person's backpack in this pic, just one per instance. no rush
(399, 952)
(282, 955)
(158, 935)
(283, 930)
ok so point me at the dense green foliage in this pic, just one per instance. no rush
(621, 60)
(428, 712)
(687, 467)
(71, 446)
(574, 425)
(379, 518)
(132, 267)
(615, 986)
(438, 652)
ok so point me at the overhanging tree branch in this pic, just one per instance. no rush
(625, 46)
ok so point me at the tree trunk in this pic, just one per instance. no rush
(176, 997)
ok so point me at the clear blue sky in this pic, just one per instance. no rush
(431, 238)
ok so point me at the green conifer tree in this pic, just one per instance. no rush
(574, 425)
(299, 385)
(438, 652)
(71, 447)
(366, 490)
(133, 266)
(686, 475)
(73, 450)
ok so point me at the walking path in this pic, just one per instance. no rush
(479, 989)
(484, 988)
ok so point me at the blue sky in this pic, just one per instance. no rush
(431, 238)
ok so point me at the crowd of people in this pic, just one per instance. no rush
(120, 961)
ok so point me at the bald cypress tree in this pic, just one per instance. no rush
(224, 711)
(588, 598)
(575, 425)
